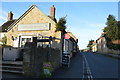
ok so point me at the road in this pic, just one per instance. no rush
(87, 66)
(91, 66)
(75, 69)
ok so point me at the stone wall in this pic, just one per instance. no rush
(102, 47)
(34, 58)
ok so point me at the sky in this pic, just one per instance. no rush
(85, 20)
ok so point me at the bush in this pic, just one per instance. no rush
(4, 40)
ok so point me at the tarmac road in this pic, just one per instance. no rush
(75, 69)
(86, 66)
(91, 66)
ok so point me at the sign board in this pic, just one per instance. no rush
(47, 71)
(33, 27)
(66, 36)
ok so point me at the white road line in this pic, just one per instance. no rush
(87, 67)
(83, 70)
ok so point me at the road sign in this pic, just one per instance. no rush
(66, 36)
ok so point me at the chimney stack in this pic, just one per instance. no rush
(10, 16)
(52, 11)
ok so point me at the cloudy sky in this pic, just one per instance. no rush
(84, 19)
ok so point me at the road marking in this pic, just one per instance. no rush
(86, 69)
(83, 70)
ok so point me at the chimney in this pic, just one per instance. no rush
(10, 15)
(52, 11)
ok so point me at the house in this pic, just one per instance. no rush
(34, 25)
(102, 47)
(85, 50)
(116, 41)
(101, 44)
(70, 45)
(94, 46)
(31, 25)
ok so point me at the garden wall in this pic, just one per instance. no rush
(34, 57)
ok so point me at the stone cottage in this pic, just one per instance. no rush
(94, 46)
(102, 47)
(34, 24)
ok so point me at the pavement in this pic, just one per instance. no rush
(110, 55)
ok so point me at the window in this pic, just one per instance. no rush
(104, 39)
(25, 39)
(39, 44)
(66, 44)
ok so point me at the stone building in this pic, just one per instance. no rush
(32, 23)
(94, 46)
(35, 25)
(102, 47)
(70, 45)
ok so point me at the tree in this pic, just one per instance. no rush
(112, 32)
(90, 44)
(112, 28)
(60, 26)
(119, 29)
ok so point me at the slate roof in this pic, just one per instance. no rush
(5, 26)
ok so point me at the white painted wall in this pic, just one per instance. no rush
(2, 35)
(10, 53)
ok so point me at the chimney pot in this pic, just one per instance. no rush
(52, 11)
(10, 16)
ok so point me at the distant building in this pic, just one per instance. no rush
(102, 47)
(85, 50)
(94, 46)
(116, 41)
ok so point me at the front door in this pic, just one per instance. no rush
(25, 39)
